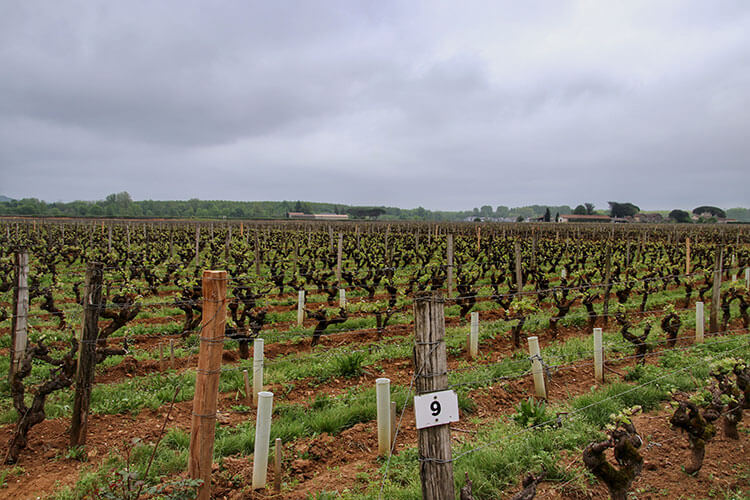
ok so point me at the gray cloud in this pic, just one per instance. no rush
(446, 106)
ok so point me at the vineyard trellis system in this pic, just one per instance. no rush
(644, 286)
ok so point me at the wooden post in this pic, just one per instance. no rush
(607, 283)
(228, 242)
(18, 329)
(627, 255)
(109, 239)
(598, 356)
(171, 353)
(716, 290)
(92, 299)
(519, 273)
(256, 251)
(248, 393)
(339, 254)
(197, 245)
(431, 368)
(200, 456)
(385, 246)
(536, 368)
(700, 322)
(277, 465)
(449, 251)
(687, 255)
(394, 421)
(747, 278)
(342, 297)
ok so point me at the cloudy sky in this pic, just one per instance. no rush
(447, 105)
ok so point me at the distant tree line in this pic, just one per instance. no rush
(122, 205)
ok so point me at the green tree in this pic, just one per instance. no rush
(547, 215)
(714, 211)
(622, 209)
(590, 208)
(579, 210)
(361, 212)
(679, 216)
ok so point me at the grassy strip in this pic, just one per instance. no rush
(513, 452)
(494, 468)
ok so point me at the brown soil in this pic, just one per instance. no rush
(350, 459)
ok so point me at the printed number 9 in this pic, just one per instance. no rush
(435, 407)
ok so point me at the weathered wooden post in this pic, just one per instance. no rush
(519, 273)
(716, 291)
(449, 251)
(171, 354)
(339, 254)
(607, 283)
(431, 368)
(394, 420)
(197, 245)
(248, 392)
(256, 252)
(688, 264)
(228, 242)
(598, 356)
(18, 329)
(277, 465)
(536, 368)
(92, 299)
(200, 458)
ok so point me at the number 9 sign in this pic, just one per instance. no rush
(436, 408)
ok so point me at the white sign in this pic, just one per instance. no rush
(436, 408)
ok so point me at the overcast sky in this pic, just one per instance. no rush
(447, 105)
